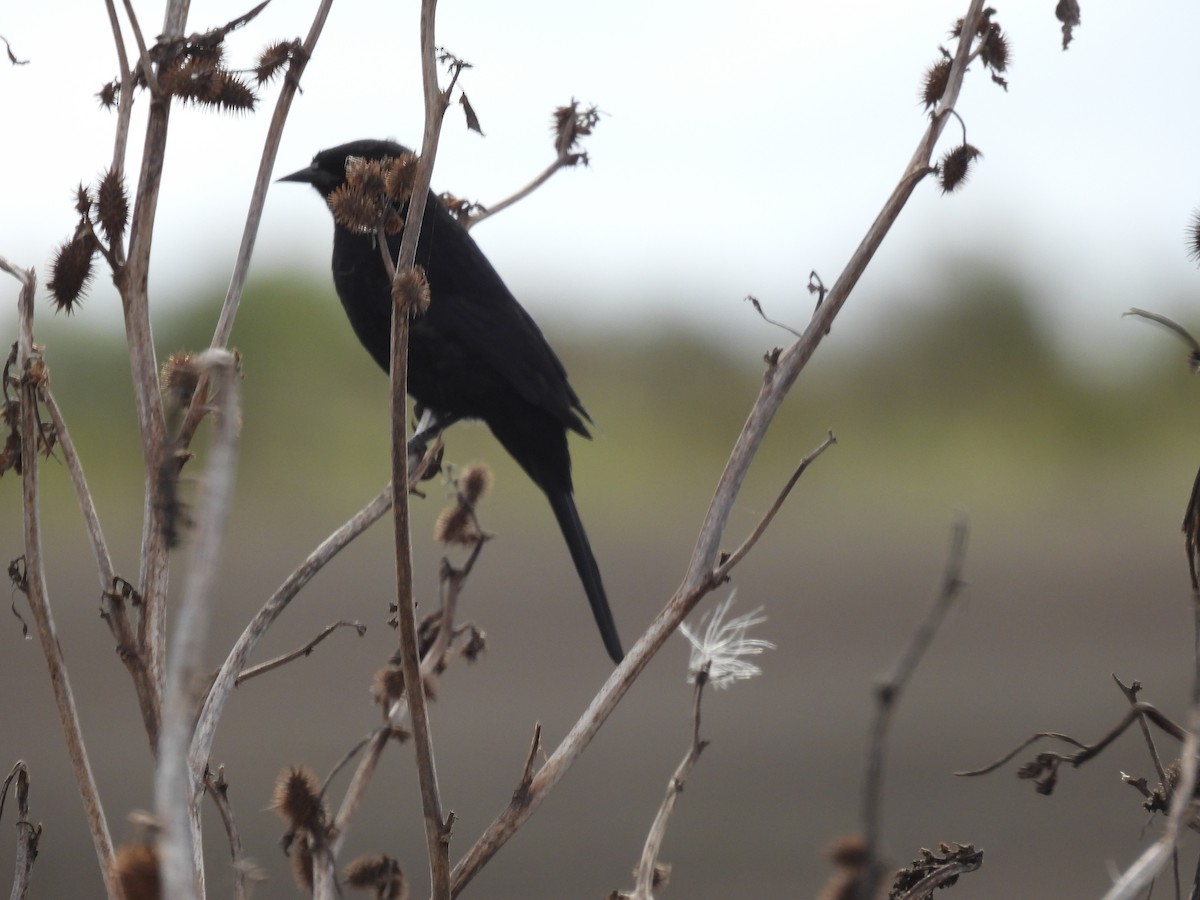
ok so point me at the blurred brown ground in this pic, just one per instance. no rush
(1075, 490)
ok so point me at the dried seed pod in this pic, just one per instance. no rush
(410, 291)
(112, 204)
(937, 77)
(71, 271)
(955, 166)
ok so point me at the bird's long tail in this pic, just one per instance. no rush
(563, 505)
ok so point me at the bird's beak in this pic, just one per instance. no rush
(306, 175)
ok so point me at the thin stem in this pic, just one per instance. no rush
(436, 835)
(697, 580)
(1183, 803)
(887, 694)
(644, 874)
(35, 586)
(235, 662)
(176, 785)
(524, 192)
(291, 84)
(722, 571)
(279, 661)
(87, 506)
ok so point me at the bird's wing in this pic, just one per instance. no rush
(474, 308)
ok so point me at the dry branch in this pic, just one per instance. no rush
(781, 373)
(35, 583)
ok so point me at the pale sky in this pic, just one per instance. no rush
(741, 148)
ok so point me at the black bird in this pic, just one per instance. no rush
(475, 354)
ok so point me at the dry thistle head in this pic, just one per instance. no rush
(410, 291)
(361, 204)
(388, 686)
(112, 204)
(569, 126)
(994, 47)
(475, 482)
(180, 378)
(71, 271)
(380, 874)
(456, 525)
(136, 868)
(400, 173)
(272, 60)
(109, 94)
(1193, 237)
(298, 801)
(956, 165)
(937, 77)
(200, 78)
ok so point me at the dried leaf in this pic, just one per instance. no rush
(469, 112)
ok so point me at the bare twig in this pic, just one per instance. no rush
(357, 789)
(1048, 761)
(222, 686)
(35, 583)
(451, 584)
(887, 693)
(436, 102)
(176, 785)
(262, 181)
(263, 668)
(1184, 804)
(697, 580)
(86, 505)
(217, 788)
(132, 280)
(644, 873)
(1131, 692)
(535, 747)
(571, 125)
(722, 571)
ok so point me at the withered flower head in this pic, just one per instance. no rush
(399, 175)
(380, 874)
(937, 77)
(366, 175)
(356, 210)
(136, 868)
(994, 48)
(569, 125)
(273, 59)
(180, 376)
(410, 291)
(71, 271)
(475, 482)
(388, 685)
(112, 204)
(456, 525)
(207, 84)
(298, 800)
(109, 94)
(955, 166)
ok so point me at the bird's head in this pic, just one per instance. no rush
(328, 169)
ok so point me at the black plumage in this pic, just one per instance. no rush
(475, 354)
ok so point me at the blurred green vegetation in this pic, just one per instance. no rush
(968, 398)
